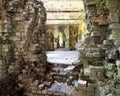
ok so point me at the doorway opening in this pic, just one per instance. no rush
(63, 17)
(61, 38)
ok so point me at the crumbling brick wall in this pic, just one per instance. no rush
(103, 23)
(22, 43)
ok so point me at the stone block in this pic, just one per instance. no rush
(90, 93)
(118, 63)
(80, 93)
(44, 92)
(29, 94)
(39, 92)
(114, 26)
(97, 73)
(81, 87)
(112, 8)
(113, 17)
(112, 3)
(92, 2)
(33, 91)
(117, 42)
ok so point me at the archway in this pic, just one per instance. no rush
(65, 13)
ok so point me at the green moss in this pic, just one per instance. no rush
(95, 62)
(101, 5)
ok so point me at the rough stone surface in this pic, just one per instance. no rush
(104, 29)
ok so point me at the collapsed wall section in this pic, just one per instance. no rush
(101, 53)
(23, 43)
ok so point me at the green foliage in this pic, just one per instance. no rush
(101, 5)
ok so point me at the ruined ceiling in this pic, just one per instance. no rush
(64, 11)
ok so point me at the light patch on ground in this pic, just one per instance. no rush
(62, 88)
(62, 57)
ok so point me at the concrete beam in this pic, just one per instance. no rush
(65, 15)
(63, 5)
(61, 22)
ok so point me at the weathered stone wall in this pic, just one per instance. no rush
(7, 79)
(3, 45)
(101, 53)
(23, 44)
